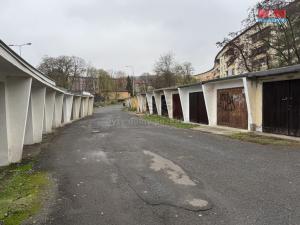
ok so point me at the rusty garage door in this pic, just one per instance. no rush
(154, 106)
(164, 108)
(177, 110)
(232, 108)
(198, 113)
(281, 107)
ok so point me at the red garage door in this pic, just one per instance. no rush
(177, 110)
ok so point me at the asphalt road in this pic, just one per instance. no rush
(116, 169)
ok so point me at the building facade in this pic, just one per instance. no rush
(250, 51)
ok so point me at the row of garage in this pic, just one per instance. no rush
(267, 101)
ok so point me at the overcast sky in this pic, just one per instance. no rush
(111, 34)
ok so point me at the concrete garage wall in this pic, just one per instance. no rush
(149, 100)
(58, 110)
(76, 108)
(17, 93)
(67, 108)
(35, 117)
(253, 94)
(3, 127)
(184, 93)
(210, 96)
(169, 100)
(84, 107)
(141, 103)
(49, 111)
(157, 96)
(30, 104)
(91, 106)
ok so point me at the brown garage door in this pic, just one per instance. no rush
(281, 107)
(177, 110)
(147, 107)
(198, 113)
(232, 108)
(154, 106)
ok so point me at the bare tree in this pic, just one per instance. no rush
(170, 73)
(63, 68)
(78, 68)
(184, 73)
(164, 69)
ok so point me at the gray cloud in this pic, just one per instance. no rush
(115, 33)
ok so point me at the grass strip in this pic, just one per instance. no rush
(263, 140)
(21, 189)
(168, 122)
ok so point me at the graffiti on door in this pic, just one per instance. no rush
(226, 102)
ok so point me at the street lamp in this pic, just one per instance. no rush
(132, 70)
(20, 46)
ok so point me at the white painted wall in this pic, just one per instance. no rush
(157, 96)
(149, 100)
(58, 110)
(144, 103)
(142, 108)
(210, 96)
(84, 107)
(3, 127)
(184, 93)
(17, 94)
(35, 117)
(49, 111)
(169, 100)
(26, 111)
(67, 108)
(139, 102)
(76, 107)
(91, 106)
(253, 94)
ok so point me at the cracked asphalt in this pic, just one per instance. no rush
(116, 169)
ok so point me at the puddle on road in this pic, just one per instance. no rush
(174, 172)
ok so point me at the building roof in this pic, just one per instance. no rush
(259, 74)
(167, 88)
(25, 63)
(252, 75)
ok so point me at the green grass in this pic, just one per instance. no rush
(263, 140)
(21, 189)
(168, 122)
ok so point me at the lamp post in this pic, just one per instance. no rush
(132, 70)
(20, 46)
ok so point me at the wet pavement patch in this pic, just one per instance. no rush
(159, 181)
(173, 171)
